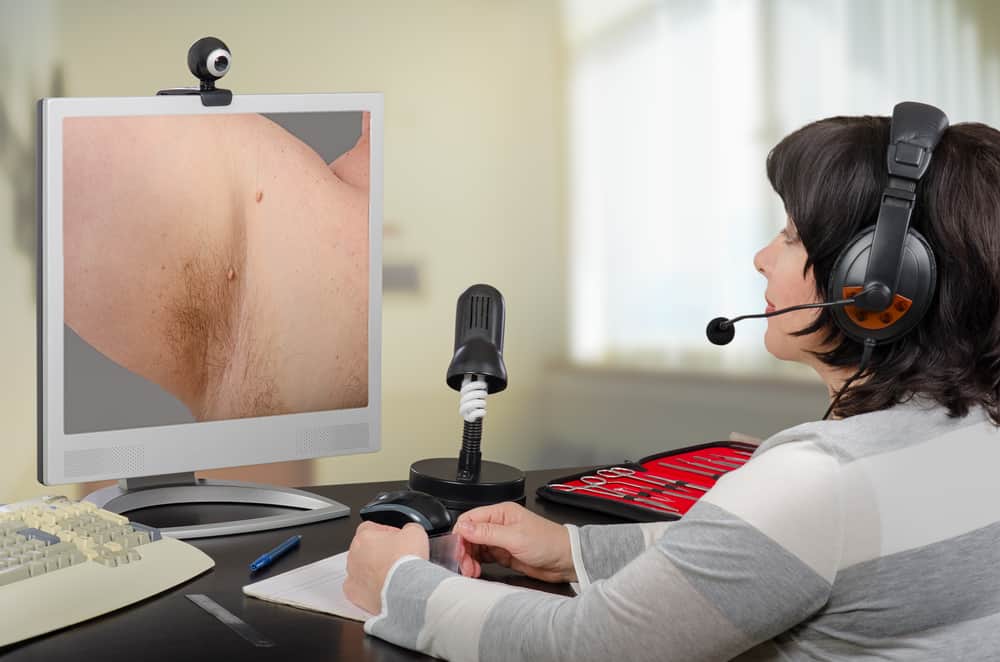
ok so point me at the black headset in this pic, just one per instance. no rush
(889, 269)
(884, 278)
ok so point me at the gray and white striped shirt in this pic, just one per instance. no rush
(874, 537)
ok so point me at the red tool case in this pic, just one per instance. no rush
(658, 487)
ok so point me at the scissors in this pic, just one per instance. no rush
(621, 472)
(650, 492)
(618, 495)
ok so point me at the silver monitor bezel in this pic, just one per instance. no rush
(191, 447)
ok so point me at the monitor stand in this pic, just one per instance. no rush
(135, 493)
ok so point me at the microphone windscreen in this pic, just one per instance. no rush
(479, 330)
(720, 331)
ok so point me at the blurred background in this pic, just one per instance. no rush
(601, 162)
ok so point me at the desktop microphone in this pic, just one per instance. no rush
(720, 331)
(476, 370)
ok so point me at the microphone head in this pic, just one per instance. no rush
(720, 331)
(479, 327)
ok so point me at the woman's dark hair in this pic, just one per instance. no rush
(830, 174)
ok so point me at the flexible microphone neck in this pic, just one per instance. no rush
(721, 331)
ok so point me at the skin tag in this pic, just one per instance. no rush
(444, 551)
(235, 623)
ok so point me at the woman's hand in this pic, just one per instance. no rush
(373, 551)
(511, 535)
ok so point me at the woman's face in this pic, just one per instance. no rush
(781, 262)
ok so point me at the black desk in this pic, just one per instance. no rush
(171, 627)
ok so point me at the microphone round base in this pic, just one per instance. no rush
(495, 483)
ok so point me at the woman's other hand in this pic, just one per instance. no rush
(511, 535)
(373, 551)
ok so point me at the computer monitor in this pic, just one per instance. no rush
(209, 294)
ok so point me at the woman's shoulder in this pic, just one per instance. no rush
(905, 424)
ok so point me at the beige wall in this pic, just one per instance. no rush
(26, 56)
(473, 184)
(474, 192)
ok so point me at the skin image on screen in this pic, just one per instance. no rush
(221, 259)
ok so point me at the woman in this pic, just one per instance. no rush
(872, 534)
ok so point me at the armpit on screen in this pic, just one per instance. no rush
(215, 267)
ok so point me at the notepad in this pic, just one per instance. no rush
(318, 586)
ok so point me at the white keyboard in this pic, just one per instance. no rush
(63, 562)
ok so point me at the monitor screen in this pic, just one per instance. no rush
(216, 266)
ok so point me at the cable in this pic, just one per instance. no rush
(865, 357)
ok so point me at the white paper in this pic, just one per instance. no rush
(318, 586)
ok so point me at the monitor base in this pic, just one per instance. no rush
(136, 493)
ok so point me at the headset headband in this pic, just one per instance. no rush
(914, 133)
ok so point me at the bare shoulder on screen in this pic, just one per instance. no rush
(205, 253)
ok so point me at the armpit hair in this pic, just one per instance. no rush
(213, 339)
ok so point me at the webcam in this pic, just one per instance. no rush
(209, 59)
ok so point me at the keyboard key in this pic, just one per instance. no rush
(113, 517)
(59, 548)
(37, 534)
(152, 532)
(11, 575)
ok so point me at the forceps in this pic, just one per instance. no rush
(621, 472)
(606, 492)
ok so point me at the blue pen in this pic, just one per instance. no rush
(268, 558)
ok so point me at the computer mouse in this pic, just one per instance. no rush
(404, 506)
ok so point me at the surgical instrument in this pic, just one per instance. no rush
(606, 492)
(692, 470)
(725, 463)
(659, 481)
(702, 466)
(650, 492)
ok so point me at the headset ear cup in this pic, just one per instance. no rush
(917, 284)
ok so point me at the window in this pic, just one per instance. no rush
(673, 107)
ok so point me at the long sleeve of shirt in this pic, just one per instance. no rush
(602, 550)
(755, 556)
(871, 537)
